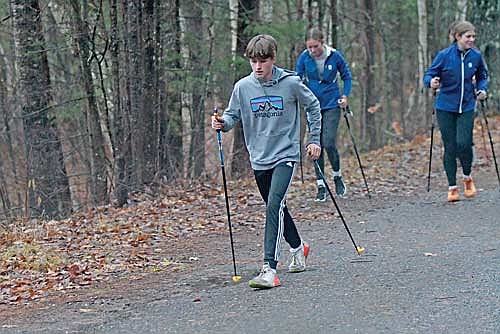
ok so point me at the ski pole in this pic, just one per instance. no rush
(301, 169)
(236, 278)
(300, 152)
(359, 249)
(348, 111)
(487, 155)
(430, 149)
(491, 140)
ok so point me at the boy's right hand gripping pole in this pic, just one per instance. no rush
(236, 277)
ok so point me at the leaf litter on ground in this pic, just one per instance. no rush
(38, 258)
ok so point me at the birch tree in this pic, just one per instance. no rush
(461, 10)
(97, 156)
(422, 55)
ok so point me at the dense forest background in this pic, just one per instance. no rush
(100, 99)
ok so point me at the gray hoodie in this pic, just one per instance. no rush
(270, 115)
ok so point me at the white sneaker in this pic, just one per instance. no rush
(298, 259)
(266, 279)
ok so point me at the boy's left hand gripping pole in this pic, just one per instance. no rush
(236, 277)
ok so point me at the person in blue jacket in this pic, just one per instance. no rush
(451, 74)
(319, 66)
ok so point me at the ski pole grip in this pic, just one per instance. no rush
(219, 138)
(216, 115)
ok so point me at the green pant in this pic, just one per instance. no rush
(273, 185)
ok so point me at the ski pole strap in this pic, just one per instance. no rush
(347, 111)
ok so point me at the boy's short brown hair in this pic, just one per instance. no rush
(262, 47)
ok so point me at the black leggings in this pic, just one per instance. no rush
(456, 133)
(273, 185)
(330, 119)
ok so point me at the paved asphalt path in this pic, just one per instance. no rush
(429, 267)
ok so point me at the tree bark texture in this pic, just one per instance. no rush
(149, 111)
(137, 120)
(240, 161)
(370, 93)
(197, 67)
(120, 149)
(171, 141)
(47, 183)
(99, 179)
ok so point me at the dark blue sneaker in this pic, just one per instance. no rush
(321, 195)
(340, 187)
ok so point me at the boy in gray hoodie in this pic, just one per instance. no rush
(266, 102)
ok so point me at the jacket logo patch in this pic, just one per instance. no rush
(470, 65)
(267, 103)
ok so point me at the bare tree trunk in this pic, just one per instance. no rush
(4, 189)
(98, 157)
(240, 161)
(233, 15)
(136, 91)
(47, 183)
(126, 104)
(119, 125)
(171, 121)
(461, 10)
(194, 30)
(266, 10)
(371, 98)
(422, 58)
(11, 128)
(73, 130)
(334, 18)
(149, 115)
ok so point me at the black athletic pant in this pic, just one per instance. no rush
(273, 185)
(456, 133)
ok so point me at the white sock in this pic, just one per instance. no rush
(295, 250)
(452, 187)
(320, 183)
(467, 177)
(337, 173)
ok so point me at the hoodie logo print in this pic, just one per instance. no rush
(267, 103)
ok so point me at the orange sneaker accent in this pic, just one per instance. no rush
(306, 249)
(469, 188)
(276, 281)
(453, 195)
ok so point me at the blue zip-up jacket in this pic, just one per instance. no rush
(455, 68)
(326, 90)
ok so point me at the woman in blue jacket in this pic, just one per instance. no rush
(318, 66)
(452, 72)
